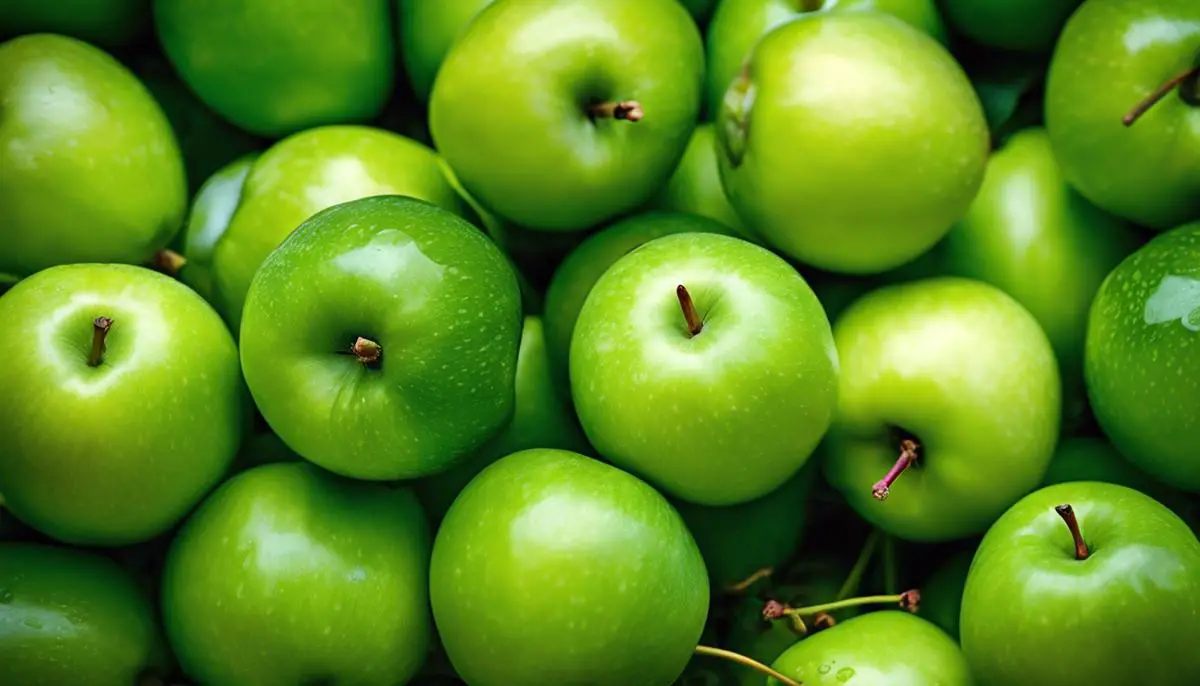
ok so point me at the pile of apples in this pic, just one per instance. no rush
(600, 342)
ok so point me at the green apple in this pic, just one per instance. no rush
(206, 224)
(586, 124)
(952, 384)
(109, 23)
(73, 617)
(941, 595)
(695, 187)
(261, 447)
(1023, 25)
(554, 565)
(1033, 237)
(91, 170)
(380, 339)
(290, 575)
(123, 402)
(540, 420)
(1123, 108)
(427, 29)
(1143, 344)
(889, 647)
(860, 187)
(737, 26)
(274, 69)
(1091, 458)
(705, 364)
(1110, 597)
(583, 266)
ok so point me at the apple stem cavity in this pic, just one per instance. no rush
(749, 581)
(168, 262)
(744, 661)
(367, 351)
(694, 324)
(1068, 515)
(100, 328)
(1163, 91)
(908, 456)
(625, 110)
(908, 600)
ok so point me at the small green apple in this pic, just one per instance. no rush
(704, 363)
(586, 124)
(91, 171)
(123, 402)
(860, 187)
(206, 224)
(554, 565)
(941, 595)
(1023, 25)
(108, 23)
(290, 575)
(696, 188)
(427, 29)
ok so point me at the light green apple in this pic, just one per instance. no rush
(206, 224)
(1023, 25)
(108, 23)
(427, 29)
(696, 188)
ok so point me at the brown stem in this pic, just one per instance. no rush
(1068, 515)
(1154, 98)
(100, 327)
(694, 324)
(168, 262)
(627, 110)
(367, 351)
(746, 662)
(908, 456)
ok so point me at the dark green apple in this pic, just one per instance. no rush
(290, 575)
(91, 169)
(1110, 597)
(1114, 60)
(1095, 459)
(1023, 25)
(859, 187)
(427, 29)
(1143, 345)
(595, 567)
(587, 124)
(380, 339)
(123, 402)
(942, 592)
(109, 23)
(696, 188)
(206, 224)
(73, 617)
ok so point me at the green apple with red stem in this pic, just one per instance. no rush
(696, 188)
(1021, 25)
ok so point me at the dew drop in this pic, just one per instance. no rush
(6, 597)
(824, 669)
(845, 674)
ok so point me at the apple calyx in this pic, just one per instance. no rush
(692, 318)
(625, 110)
(1188, 85)
(168, 262)
(738, 658)
(908, 456)
(774, 610)
(749, 581)
(733, 121)
(1068, 515)
(100, 328)
(367, 351)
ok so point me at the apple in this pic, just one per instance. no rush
(941, 595)
(290, 575)
(1111, 597)
(953, 384)
(123, 402)
(275, 69)
(827, 175)
(705, 364)
(1090, 458)
(1021, 25)
(427, 29)
(109, 23)
(380, 339)
(696, 188)
(1124, 114)
(1140, 354)
(568, 131)
(73, 617)
(737, 26)
(554, 566)
(69, 162)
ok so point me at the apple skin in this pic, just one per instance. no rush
(888, 647)
(499, 96)
(427, 30)
(1095, 459)
(69, 162)
(595, 567)
(696, 188)
(1145, 172)
(722, 417)
(1141, 343)
(150, 430)
(964, 369)
(1130, 614)
(207, 221)
(1021, 25)
(422, 283)
(941, 594)
(858, 189)
(74, 617)
(107, 23)
(289, 575)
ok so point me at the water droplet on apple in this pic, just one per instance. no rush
(824, 669)
(6, 597)
(845, 674)
(33, 622)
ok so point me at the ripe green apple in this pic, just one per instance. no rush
(290, 575)
(108, 23)
(554, 565)
(860, 187)
(74, 617)
(207, 221)
(91, 170)
(587, 124)
(380, 339)
(123, 402)
(696, 188)
(1118, 603)
(1022, 25)
(1113, 59)
(1143, 345)
(952, 384)
(705, 364)
(427, 29)
(274, 69)
(941, 595)
(737, 26)
(888, 647)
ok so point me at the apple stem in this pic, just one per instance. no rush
(100, 327)
(627, 110)
(908, 455)
(694, 324)
(1068, 515)
(854, 578)
(367, 351)
(908, 600)
(749, 581)
(740, 659)
(168, 262)
(1162, 92)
